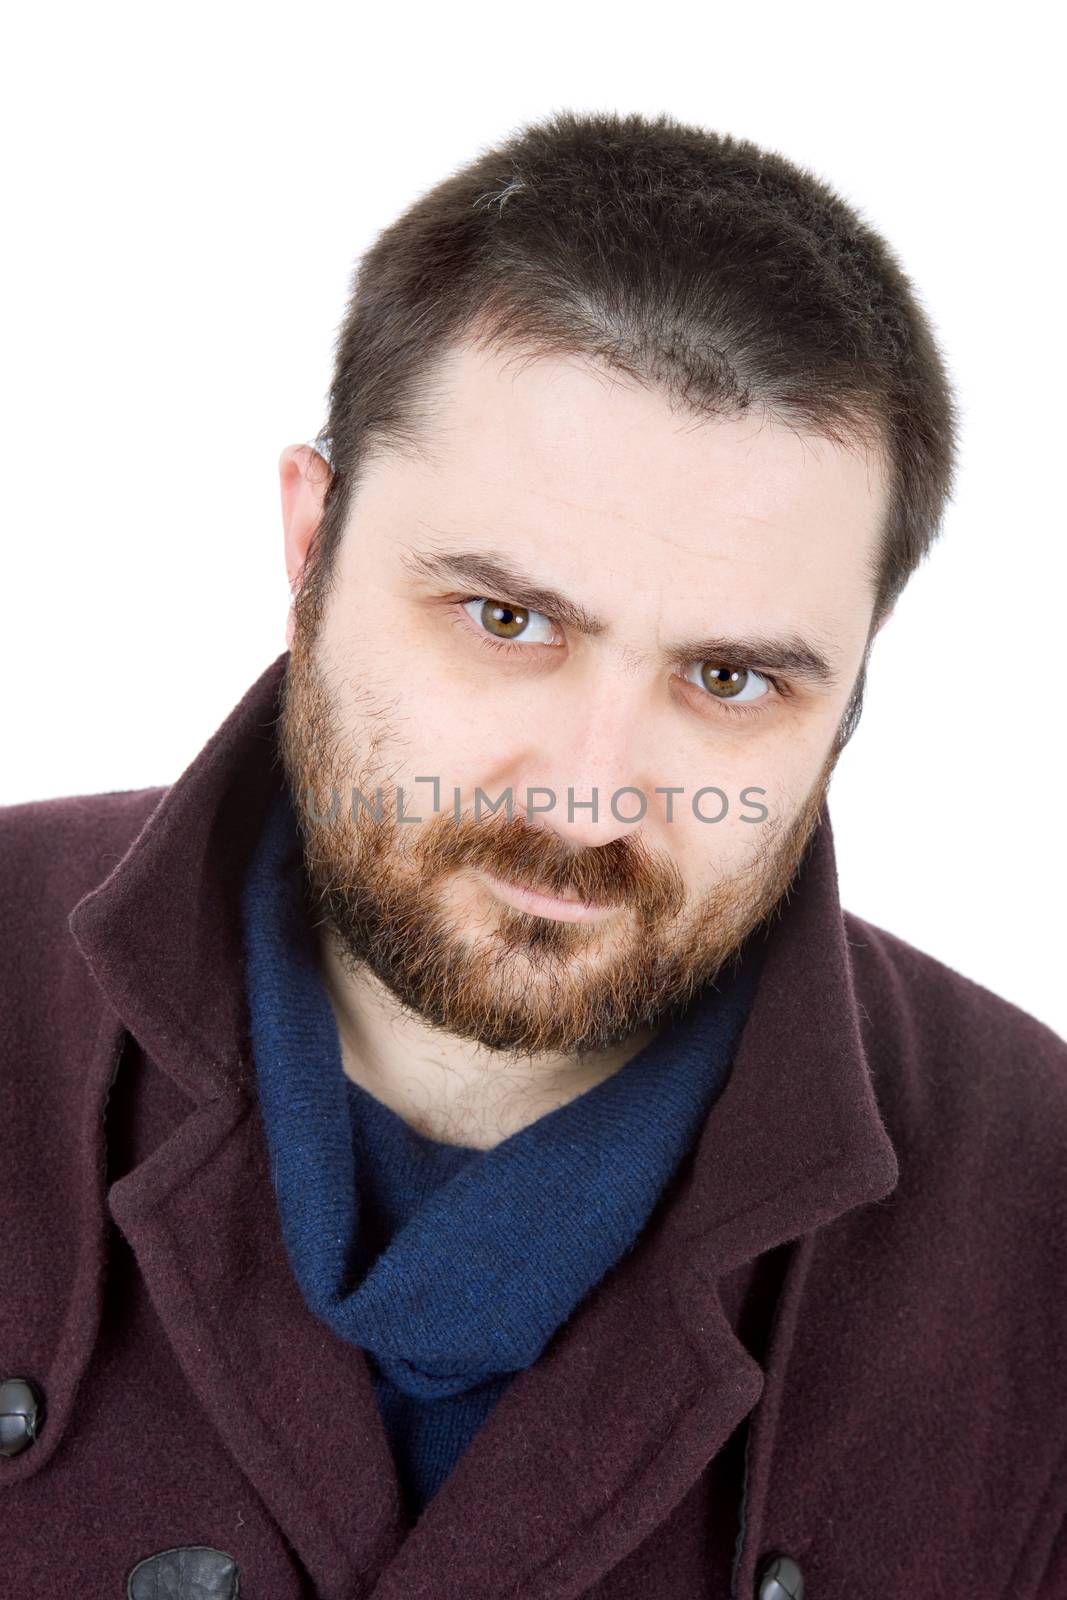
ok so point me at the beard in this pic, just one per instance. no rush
(395, 898)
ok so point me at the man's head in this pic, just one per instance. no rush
(616, 508)
(666, 536)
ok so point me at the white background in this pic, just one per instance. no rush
(186, 192)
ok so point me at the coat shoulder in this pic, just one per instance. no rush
(950, 1056)
(52, 852)
(932, 991)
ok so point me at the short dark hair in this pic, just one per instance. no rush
(692, 261)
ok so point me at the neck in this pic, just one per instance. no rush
(447, 1088)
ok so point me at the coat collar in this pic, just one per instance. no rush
(621, 1414)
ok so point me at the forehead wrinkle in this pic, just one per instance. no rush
(586, 510)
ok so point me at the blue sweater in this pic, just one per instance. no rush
(423, 1253)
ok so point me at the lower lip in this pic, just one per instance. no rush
(547, 905)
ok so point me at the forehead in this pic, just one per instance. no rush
(558, 458)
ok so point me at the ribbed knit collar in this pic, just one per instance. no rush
(453, 1266)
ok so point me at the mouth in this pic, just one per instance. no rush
(564, 908)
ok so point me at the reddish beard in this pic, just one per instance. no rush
(521, 983)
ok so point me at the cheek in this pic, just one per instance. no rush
(722, 821)
(784, 765)
(438, 738)
(707, 852)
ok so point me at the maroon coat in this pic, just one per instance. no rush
(841, 1334)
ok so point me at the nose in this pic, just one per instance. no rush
(589, 778)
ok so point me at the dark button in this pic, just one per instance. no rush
(780, 1578)
(188, 1572)
(21, 1407)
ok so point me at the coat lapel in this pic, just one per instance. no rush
(591, 1447)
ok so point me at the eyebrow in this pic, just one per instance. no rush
(494, 578)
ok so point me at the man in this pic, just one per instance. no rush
(457, 1143)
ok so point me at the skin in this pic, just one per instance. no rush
(468, 1015)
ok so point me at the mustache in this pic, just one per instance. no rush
(621, 872)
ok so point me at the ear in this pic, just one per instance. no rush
(305, 477)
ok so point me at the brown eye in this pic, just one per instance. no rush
(505, 621)
(722, 681)
(738, 684)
